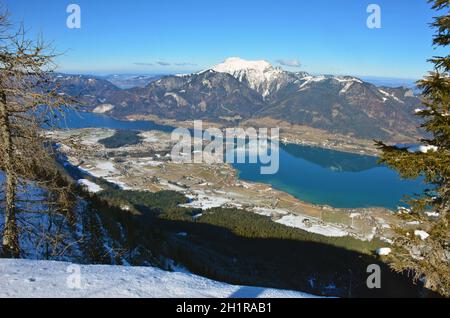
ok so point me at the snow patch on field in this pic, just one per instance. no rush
(205, 201)
(383, 251)
(101, 169)
(47, 279)
(107, 171)
(145, 162)
(149, 136)
(171, 186)
(89, 185)
(422, 234)
(94, 137)
(269, 212)
(301, 222)
(122, 185)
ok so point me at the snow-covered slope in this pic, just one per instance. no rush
(267, 79)
(29, 278)
(258, 75)
(236, 64)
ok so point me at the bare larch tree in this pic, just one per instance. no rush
(27, 104)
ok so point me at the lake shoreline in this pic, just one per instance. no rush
(211, 186)
(338, 161)
(289, 134)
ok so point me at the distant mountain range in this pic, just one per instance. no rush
(237, 90)
(392, 82)
(126, 81)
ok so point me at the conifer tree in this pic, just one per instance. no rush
(424, 249)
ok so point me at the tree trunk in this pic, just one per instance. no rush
(10, 233)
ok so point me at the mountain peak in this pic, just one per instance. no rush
(259, 75)
(235, 64)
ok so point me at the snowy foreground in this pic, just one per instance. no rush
(29, 278)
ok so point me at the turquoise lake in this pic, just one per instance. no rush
(314, 175)
(335, 178)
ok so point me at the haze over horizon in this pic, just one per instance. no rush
(148, 37)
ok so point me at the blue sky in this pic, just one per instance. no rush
(176, 36)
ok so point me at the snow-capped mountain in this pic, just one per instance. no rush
(259, 75)
(268, 80)
(238, 89)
